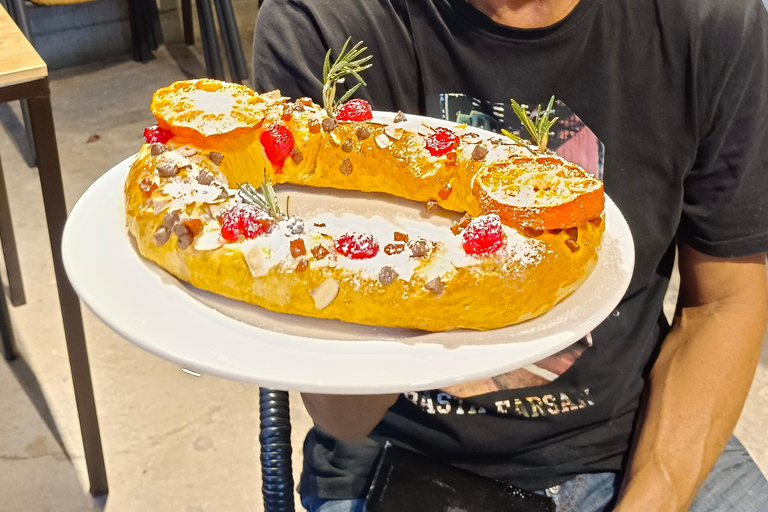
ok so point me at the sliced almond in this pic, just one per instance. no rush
(393, 132)
(383, 141)
(186, 151)
(209, 241)
(325, 293)
(255, 260)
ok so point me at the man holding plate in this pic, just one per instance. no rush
(671, 98)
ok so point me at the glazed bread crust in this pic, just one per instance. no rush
(176, 192)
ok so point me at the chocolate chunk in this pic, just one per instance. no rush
(314, 126)
(161, 235)
(205, 178)
(224, 194)
(297, 156)
(181, 229)
(532, 232)
(419, 248)
(572, 245)
(157, 148)
(400, 117)
(298, 106)
(435, 286)
(387, 276)
(363, 133)
(346, 166)
(329, 124)
(167, 170)
(170, 220)
(185, 240)
(347, 146)
(479, 153)
(216, 157)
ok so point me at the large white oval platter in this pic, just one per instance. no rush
(209, 334)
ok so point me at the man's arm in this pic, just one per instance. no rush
(348, 417)
(700, 380)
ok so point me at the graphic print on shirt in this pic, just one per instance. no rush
(573, 140)
(570, 137)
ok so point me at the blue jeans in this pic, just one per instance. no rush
(734, 484)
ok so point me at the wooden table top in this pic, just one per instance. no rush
(19, 62)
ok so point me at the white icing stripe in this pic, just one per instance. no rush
(446, 256)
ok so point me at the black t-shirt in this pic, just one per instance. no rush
(677, 90)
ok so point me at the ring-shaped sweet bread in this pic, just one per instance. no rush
(199, 204)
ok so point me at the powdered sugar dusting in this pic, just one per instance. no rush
(446, 253)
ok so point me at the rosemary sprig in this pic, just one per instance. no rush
(539, 129)
(264, 198)
(345, 64)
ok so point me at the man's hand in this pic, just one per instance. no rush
(699, 382)
(348, 417)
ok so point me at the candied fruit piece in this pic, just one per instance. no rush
(155, 134)
(243, 219)
(357, 246)
(483, 235)
(441, 142)
(278, 143)
(355, 110)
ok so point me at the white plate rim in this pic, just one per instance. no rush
(305, 364)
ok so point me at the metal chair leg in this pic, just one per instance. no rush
(231, 36)
(224, 30)
(19, 15)
(11, 255)
(56, 215)
(275, 438)
(186, 17)
(211, 52)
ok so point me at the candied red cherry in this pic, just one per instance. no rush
(154, 134)
(278, 143)
(355, 110)
(483, 235)
(357, 246)
(442, 142)
(243, 219)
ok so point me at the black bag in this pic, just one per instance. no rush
(408, 482)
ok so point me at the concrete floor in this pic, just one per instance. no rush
(173, 442)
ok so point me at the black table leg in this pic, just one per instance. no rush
(56, 214)
(11, 255)
(6, 331)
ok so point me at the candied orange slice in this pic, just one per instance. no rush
(205, 107)
(539, 193)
